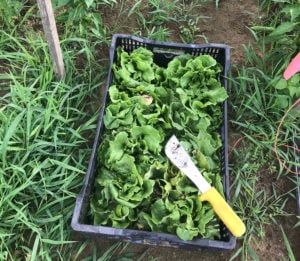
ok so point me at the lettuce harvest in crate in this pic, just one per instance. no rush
(136, 186)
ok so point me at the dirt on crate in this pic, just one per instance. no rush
(227, 24)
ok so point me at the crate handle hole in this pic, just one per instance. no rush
(169, 53)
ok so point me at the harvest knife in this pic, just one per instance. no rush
(181, 159)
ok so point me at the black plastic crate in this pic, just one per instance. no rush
(163, 53)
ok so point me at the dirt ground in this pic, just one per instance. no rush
(228, 24)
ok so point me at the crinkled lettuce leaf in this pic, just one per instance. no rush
(136, 186)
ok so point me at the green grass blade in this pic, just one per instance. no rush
(11, 130)
(288, 246)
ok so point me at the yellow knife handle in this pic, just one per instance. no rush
(224, 211)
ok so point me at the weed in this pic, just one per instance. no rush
(260, 97)
(162, 11)
(9, 13)
(288, 246)
(82, 15)
(255, 193)
(188, 33)
(159, 33)
(45, 128)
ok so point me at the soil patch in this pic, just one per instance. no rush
(228, 24)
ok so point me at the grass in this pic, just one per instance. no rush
(45, 131)
(259, 105)
(288, 246)
(256, 192)
(47, 126)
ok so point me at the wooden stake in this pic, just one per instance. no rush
(50, 30)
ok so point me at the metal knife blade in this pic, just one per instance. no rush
(181, 159)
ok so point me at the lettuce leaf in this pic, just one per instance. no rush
(136, 186)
